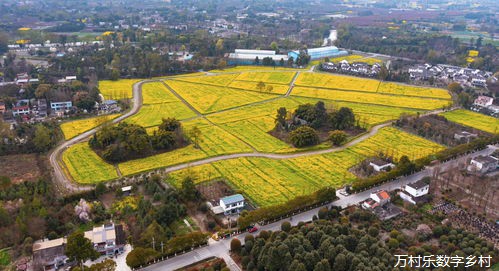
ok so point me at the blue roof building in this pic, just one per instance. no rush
(320, 52)
(232, 204)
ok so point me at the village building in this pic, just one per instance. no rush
(49, 254)
(108, 239)
(377, 199)
(248, 57)
(2, 108)
(127, 190)
(61, 105)
(483, 101)
(381, 165)
(483, 164)
(21, 110)
(465, 136)
(232, 204)
(415, 192)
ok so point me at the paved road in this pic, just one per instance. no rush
(221, 248)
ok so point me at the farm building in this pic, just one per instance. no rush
(320, 52)
(232, 204)
(415, 192)
(247, 57)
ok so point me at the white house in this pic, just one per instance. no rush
(376, 199)
(232, 204)
(483, 101)
(415, 192)
(379, 165)
(57, 106)
(483, 164)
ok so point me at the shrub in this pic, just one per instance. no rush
(286, 226)
(304, 136)
(235, 245)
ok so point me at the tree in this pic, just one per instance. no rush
(170, 124)
(274, 46)
(260, 86)
(189, 191)
(235, 245)
(219, 45)
(269, 88)
(140, 256)
(107, 265)
(280, 119)
(286, 226)
(337, 137)
(42, 90)
(464, 99)
(195, 133)
(455, 87)
(4, 42)
(42, 139)
(79, 249)
(383, 73)
(257, 60)
(100, 189)
(304, 136)
(340, 263)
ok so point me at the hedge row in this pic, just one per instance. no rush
(267, 213)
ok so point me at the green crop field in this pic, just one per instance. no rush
(73, 128)
(474, 120)
(85, 166)
(267, 77)
(121, 89)
(207, 98)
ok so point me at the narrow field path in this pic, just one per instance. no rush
(292, 84)
(65, 185)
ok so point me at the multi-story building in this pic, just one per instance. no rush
(232, 204)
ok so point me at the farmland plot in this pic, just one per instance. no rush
(73, 128)
(219, 79)
(152, 114)
(249, 85)
(156, 92)
(267, 77)
(399, 89)
(371, 98)
(207, 98)
(121, 89)
(474, 120)
(336, 82)
(85, 166)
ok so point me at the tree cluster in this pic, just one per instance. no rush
(307, 118)
(128, 141)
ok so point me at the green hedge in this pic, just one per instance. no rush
(267, 213)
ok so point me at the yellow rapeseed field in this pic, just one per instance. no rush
(474, 120)
(73, 128)
(85, 166)
(116, 90)
(336, 82)
(267, 77)
(249, 85)
(219, 79)
(371, 98)
(207, 98)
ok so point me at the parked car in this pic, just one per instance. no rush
(253, 229)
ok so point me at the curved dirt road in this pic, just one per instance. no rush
(66, 185)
